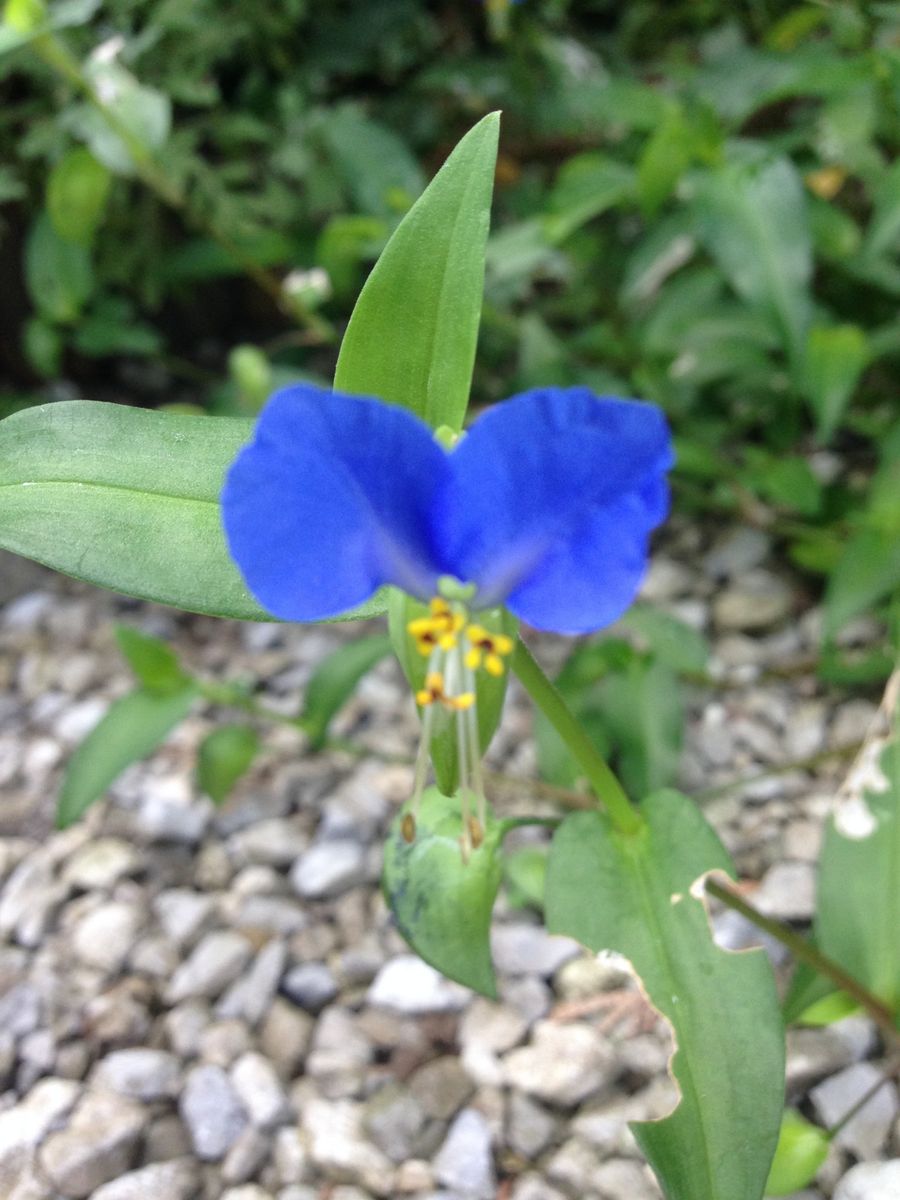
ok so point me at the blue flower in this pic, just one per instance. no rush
(545, 505)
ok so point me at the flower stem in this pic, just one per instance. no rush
(547, 698)
(803, 950)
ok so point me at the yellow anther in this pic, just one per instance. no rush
(487, 648)
(440, 629)
(408, 827)
(433, 693)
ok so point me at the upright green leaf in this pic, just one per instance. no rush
(132, 727)
(754, 221)
(836, 356)
(411, 339)
(633, 894)
(442, 904)
(128, 500)
(58, 272)
(335, 679)
(224, 755)
(802, 1148)
(858, 912)
(76, 195)
(154, 663)
(867, 571)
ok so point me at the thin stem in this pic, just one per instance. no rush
(803, 950)
(547, 698)
(864, 1099)
(809, 763)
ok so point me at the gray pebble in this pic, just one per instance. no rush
(329, 868)
(465, 1162)
(212, 1112)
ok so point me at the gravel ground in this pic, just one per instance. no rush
(215, 1004)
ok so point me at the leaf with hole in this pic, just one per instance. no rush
(634, 894)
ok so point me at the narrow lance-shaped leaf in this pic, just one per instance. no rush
(334, 681)
(411, 339)
(128, 500)
(224, 756)
(633, 894)
(131, 728)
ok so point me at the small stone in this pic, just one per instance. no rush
(96, 1145)
(441, 1087)
(530, 950)
(175, 1180)
(284, 1037)
(25, 1125)
(213, 1113)
(590, 974)
(738, 551)
(104, 937)
(758, 601)
(249, 1191)
(814, 1053)
(163, 818)
(250, 996)
(871, 1181)
(338, 1146)
(394, 1121)
(311, 985)
(625, 1179)
(414, 1175)
(464, 1162)
(140, 1073)
(564, 1064)
(246, 1157)
(329, 868)
(215, 962)
(165, 1139)
(574, 1166)
(339, 1053)
(184, 1026)
(866, 1133)
(182, 913)
(530, 1128)
(21, 1010)
(222, 1042)
(534, 1187)
(291, 1156)
(274, 843)
(788, 892)
(99, 864)
(488, 1029)
(408, 985)
(259, 1089)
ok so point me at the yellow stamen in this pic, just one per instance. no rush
(434, 692)
(408, 827)
(487, 648)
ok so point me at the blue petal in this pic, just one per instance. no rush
(331, 500)
(550, 503)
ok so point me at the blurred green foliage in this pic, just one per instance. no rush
(698, 203)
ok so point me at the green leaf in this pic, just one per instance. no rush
(224, 756)
(58, 272)
(334, 681)
(141, 119)
(858, 913)
(632, 894)
(131, 728)
(525, 877)
(129, 500)
(443, 905)
(883, 235)
(586, 187)
(375, 163)
(77, 190)
(663, 161)
(643, 713)
(411, 338)
(674, 643)
(802, 1148)
(154, 663)
(867, 571)
(755, 223)
(836, 356)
